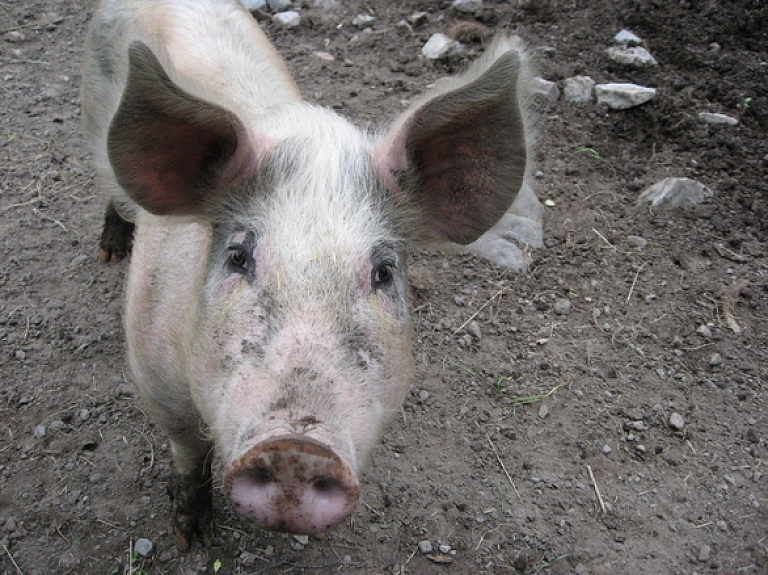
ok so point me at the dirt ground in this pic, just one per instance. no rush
(505, 438)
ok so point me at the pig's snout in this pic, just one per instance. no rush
(293, 484)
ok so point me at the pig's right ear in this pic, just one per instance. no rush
(171, 151)
(460, 153)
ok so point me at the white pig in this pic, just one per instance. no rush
(267, 321)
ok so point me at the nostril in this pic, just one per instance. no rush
(261, 476)
(327, 485)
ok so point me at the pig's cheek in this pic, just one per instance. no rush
(394, 329)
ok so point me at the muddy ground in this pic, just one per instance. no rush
(505, 437)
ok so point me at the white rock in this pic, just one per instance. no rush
(287, 20)
(637, 57)
(704, 331)
(254, 5)
(579, 89)
(279, 5)
(302, 539)
(425, 547)
(324, 56)
(675, 193)
(548, 90)
(440, 46)
(562, 306)
(417, 18)
(467, 6)
(627, 38)
(637, 242)
(623, 96)
(712, 118)
(676, 421)
(522, 224)
(363, 21)
(716, 359)
(143, 547)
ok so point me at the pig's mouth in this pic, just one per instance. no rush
(292, 483)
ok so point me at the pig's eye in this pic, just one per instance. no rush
(238, 258)
(382, 276)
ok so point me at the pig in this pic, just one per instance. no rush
(266, 318)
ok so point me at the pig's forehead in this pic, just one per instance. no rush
(319, 191)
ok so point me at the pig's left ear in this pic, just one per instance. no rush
(460, 155)
(170, 151)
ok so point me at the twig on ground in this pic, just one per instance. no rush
(503, 467)
(634, 281)
(482, 307)
(597, 489)
(15, 566)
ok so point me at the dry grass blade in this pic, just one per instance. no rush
(504, 468)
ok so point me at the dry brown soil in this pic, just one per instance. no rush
(504, 439)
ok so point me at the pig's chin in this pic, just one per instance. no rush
(292, 483)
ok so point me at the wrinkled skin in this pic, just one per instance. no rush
(267, 320)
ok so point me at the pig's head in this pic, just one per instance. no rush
(299, 349)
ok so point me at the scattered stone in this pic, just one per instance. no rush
(704, 553)
(636, 57)
(675, 193)
(423, 395)
(84, 415)
(467, 6)
(715, 360)
(722, 525)
(637, 242)
(473, 329)
(287, 20)
(279, 5)
(254, 5)
(363, 21)
(607, 449)
(324, 56)
(543, 411)
(713, 118)
(425, 547)
(417, 18)
(676, 421)
(40, 431)
(77, 261)
(579, 89)
(562, 306)
(302, 539)
(549, 203)
(445, 549)
(627, 38)
(641, 448)
(143, 547)
(623, 96)
(545, 89)
(247, 559)
(441, 47)
(704, 331)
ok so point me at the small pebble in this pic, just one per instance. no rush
(607, 449)
(637, 242)
(473, 328)
(445, 549)
(40, 431)
(562, 306)
(676, 421)
(543, 411)
(704, 553)
(716, 359)
(704, 331)
(425, 547)
(363, 21)
(143, 547)
(302, 539)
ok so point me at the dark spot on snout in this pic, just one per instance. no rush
(309, 420)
